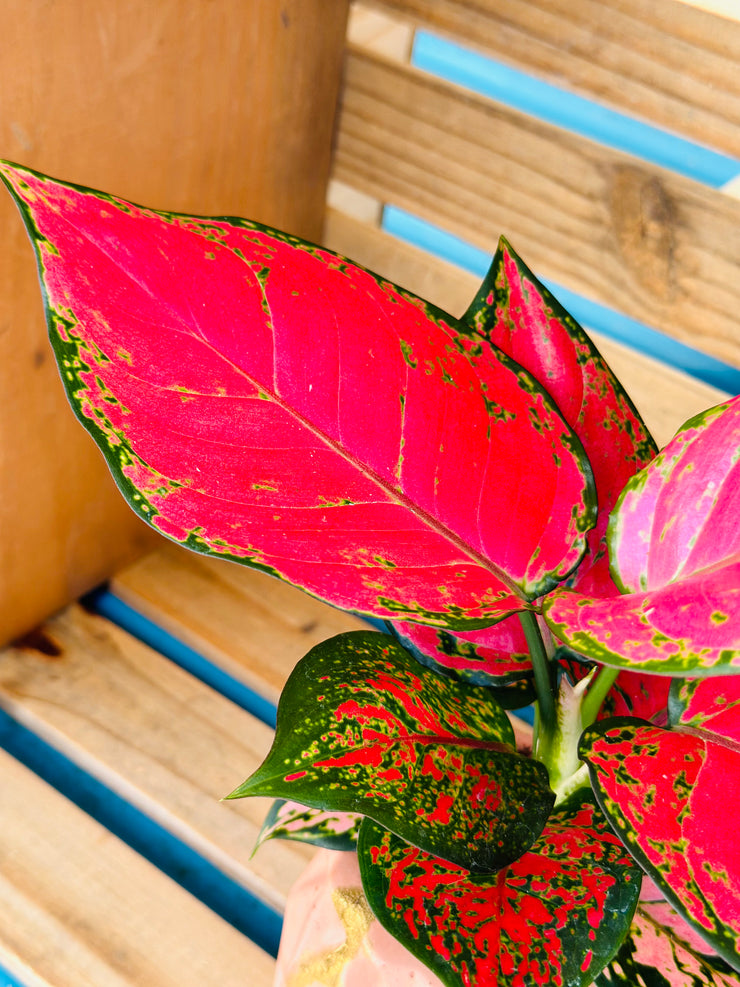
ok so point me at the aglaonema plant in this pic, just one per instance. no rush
(486, 487)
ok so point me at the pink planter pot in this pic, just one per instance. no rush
(331, 938)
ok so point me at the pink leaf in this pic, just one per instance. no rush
(675, 545)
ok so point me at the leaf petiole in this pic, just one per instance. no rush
(596, 695)
(547, 720)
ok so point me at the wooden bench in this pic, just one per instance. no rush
(125, 718)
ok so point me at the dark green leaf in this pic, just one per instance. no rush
(362, 727)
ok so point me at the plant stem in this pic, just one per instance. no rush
(597, 693)
(543, 682)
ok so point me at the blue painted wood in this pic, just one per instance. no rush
(8, 980)
(245, 911)
(106, 604)
(591, 314)
(588, 118)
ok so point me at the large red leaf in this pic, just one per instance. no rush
(362, 727)
(264, 400)
(675, 547)
(516, 312)
(670, 795)
(555, 916)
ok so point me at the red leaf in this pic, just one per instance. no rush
(262, 399)
(667, 793)
(554, 916)
(494, 656)
(514, 310)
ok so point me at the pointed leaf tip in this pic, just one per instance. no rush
(261, 399)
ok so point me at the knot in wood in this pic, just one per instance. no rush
(644, 218)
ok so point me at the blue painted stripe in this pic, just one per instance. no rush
(106, 604)
(7, 979)
(592, 314)
(564, 109)
(223, 895)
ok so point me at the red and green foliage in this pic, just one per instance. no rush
(673, 797)
(362, 727)
(554, 916)
(487, 487)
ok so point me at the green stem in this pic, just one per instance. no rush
(596, 695)
(543, 682)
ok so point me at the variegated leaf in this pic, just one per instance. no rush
(293, 821)
(670, 796)
(675, 546)
(516, 312)
(555, 916)
(493, 656)
(712, 705)
(362, 727)
(264, 400)
(657, 954)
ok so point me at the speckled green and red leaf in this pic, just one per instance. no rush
(362, 727)
(555, 916)
(292, 821)
(711, 705)
(493, 656)
(670, 794)
(675, 546)
(660, 952)
(262, 399)
(516, 312)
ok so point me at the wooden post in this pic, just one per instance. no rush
(191, 105)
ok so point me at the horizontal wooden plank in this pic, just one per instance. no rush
(668, 63)
(245, 621)
(665, 397)
(251, 625)
(155, 735)
(661, 248)
(81, 909)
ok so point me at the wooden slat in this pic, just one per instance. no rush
(157, 736)
(81, 909)
(665, 397)
(251, 625)
(666, 62)
(248, 623)
(222, 108)
(663, 249)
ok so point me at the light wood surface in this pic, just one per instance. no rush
(664, 397)
(155, 735)
(81, 909)
(658, 247)
(666, 62)
(205, 107)
(251, 625)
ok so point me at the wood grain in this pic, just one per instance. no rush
(154, 734)
(204, 107)
(668, 63)
(661, 248)
(665, 397)
(251, 625)
(81, 909)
